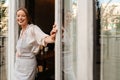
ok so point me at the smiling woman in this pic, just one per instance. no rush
(31, 37)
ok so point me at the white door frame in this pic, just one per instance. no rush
(13, 5)
(58, 46)
(12, 30)
(84, 40)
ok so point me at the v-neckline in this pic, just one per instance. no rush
(22, 33)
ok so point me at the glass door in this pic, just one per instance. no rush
(65, 45)
(69, 40)
(108, 22)
(3, 39)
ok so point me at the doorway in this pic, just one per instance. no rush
(42, 13)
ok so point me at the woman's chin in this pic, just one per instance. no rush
(21, 24)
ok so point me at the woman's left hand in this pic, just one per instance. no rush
(53, 32)
(51, 38)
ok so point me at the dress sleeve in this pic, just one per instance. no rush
(39, 35)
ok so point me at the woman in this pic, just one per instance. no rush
(31, 37)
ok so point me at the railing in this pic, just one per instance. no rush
(110, 45)
(2, 50)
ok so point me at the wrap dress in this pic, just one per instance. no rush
(27, 46)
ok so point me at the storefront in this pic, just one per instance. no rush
(73, 52)
(89, 49)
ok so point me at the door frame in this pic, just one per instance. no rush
(84, 40)
(13, 28)
(58, 45)
(84, 47)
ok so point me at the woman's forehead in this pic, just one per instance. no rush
(21, 12)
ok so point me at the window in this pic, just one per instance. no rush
(107, 54)
(3, 39)
(69, 40)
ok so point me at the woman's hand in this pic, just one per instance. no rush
(53, 32)
(51, 38)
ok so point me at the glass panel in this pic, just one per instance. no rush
(3, 38)
(109, 39)
(69, 40)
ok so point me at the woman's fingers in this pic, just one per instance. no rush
(54, 30)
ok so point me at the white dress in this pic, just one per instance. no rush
(25, 64)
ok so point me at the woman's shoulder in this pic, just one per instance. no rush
(33, 26)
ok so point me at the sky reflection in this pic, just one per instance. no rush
(106, 1)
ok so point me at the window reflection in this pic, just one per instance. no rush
(3, 38)
(69, 40)
(109, 22)
(110, 17)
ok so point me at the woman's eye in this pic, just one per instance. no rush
(18, 15)
(21, 16)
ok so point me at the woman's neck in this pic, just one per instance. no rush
(24, 27)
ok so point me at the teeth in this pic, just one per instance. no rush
(20, 21)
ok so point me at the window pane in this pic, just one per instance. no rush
(69, 40)
(109, 19)
(3, 38)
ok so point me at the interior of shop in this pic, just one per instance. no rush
(42, 13)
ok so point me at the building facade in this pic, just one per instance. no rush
(89, 49)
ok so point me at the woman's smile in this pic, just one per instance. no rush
(21, 18)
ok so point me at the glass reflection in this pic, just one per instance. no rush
(3, 38)
(69, 40)
(110, 39)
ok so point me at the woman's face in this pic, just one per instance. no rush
(22, 18)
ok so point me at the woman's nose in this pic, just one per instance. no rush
(20, 17)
